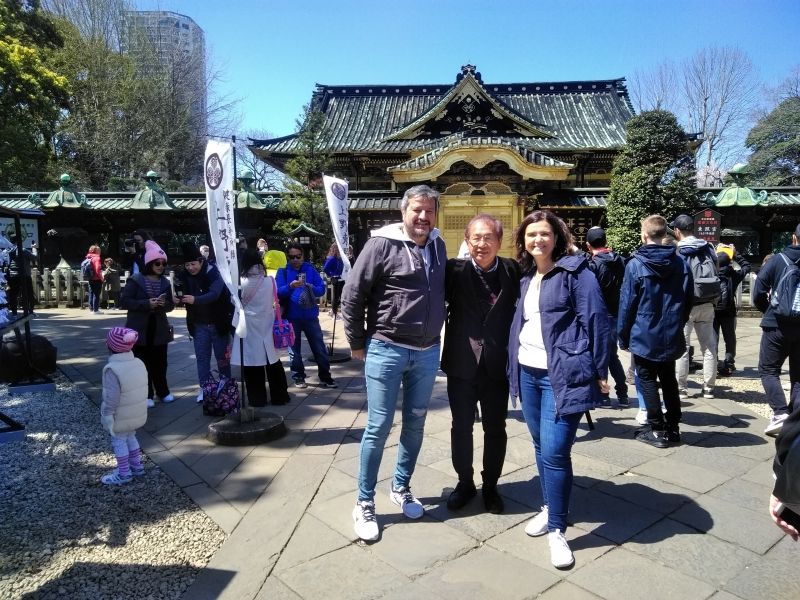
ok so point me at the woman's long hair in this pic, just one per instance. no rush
(563, 241)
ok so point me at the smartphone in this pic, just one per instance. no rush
(788, 515)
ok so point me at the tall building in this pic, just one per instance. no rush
(173, 45)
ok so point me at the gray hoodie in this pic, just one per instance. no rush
(389, 285)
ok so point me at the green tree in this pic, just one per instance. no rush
(775, 143)
(106, 132)
(653, 174)
(306, 201)
(31, 93)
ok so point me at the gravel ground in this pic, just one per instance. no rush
(63, 534)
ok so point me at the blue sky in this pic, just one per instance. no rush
(271, 52)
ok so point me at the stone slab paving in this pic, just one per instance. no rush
(689, 522)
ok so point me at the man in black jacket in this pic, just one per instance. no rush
(609, 268)
(780, 338)
(481, 293)
(209, 311)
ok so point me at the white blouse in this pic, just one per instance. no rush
(532, 352)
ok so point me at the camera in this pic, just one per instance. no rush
(130, 243)
(178, 288)
(301, 277)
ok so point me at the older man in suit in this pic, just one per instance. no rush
(481, 292)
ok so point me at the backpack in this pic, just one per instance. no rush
(785, 297)
(87, 269)
(707, 285)
(726, 295)
(221, 397)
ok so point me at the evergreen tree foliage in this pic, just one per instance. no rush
(653, 174)
(775, 142)
(306, 201)
(31, 93)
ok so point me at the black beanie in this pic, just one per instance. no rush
(190, 252)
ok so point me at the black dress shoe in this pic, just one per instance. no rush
(493, 501)
(461, 496)
(673, 435)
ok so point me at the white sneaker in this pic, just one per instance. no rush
(365, 523)
(641, 417)
(200, 397)
(560, 554)
(538, 525)
(412, 508)
(168, 398)
(150, 403)
(775, 425)
(683, 394)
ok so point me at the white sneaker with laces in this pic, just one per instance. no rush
(538, 525)
(114, 478)
(365, 523)
(412, 508)
(641, 417)
(775, 424)
(168, 398)
(560, 554)
(150, 403)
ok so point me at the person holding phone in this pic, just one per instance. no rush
(299, 284)
(147, 297)
(784, 502)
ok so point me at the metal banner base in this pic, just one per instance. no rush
(234, 430)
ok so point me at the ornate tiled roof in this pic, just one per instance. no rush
(575, 115)
(455, 141)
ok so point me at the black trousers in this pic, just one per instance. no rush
(16, 296)
(155, 360)
(650, 372)
(464, 395)
(728, 325)
(254, 382)
(776, 347)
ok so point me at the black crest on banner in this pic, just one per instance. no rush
(339, 191)
(214, 171)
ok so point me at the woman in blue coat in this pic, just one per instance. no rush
(558, 361)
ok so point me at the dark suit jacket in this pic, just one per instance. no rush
(470, 332)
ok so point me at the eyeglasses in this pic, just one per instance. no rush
(159, 263)
(295, 256)
(487, 239)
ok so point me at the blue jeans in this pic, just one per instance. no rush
(207, 338)
(553, 436)
(386, 367)
(314, 336)
(94, 294)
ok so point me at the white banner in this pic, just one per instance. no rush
(336, 193)
(220, 198)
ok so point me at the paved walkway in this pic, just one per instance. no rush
(688, 522)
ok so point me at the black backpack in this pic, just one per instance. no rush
(785, 297)
(87, 269)
(727, 294)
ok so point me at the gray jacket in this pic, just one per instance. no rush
(388, 294)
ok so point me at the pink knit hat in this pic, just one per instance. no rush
(121, 339)
(153, 251)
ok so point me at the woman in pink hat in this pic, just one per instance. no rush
(147, 296)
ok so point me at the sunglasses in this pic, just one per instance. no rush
(295, 256)
(159, 263)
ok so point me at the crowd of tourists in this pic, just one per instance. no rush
(543, 328)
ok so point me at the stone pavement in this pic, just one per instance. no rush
(688, 522)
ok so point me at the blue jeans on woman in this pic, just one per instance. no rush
(553, 436)
(313, 333)
(94, 295)
(207, 338)
(386, 367)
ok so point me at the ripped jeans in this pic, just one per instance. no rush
(386, 367)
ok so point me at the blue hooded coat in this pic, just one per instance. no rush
(575, 332)
(655, 303)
